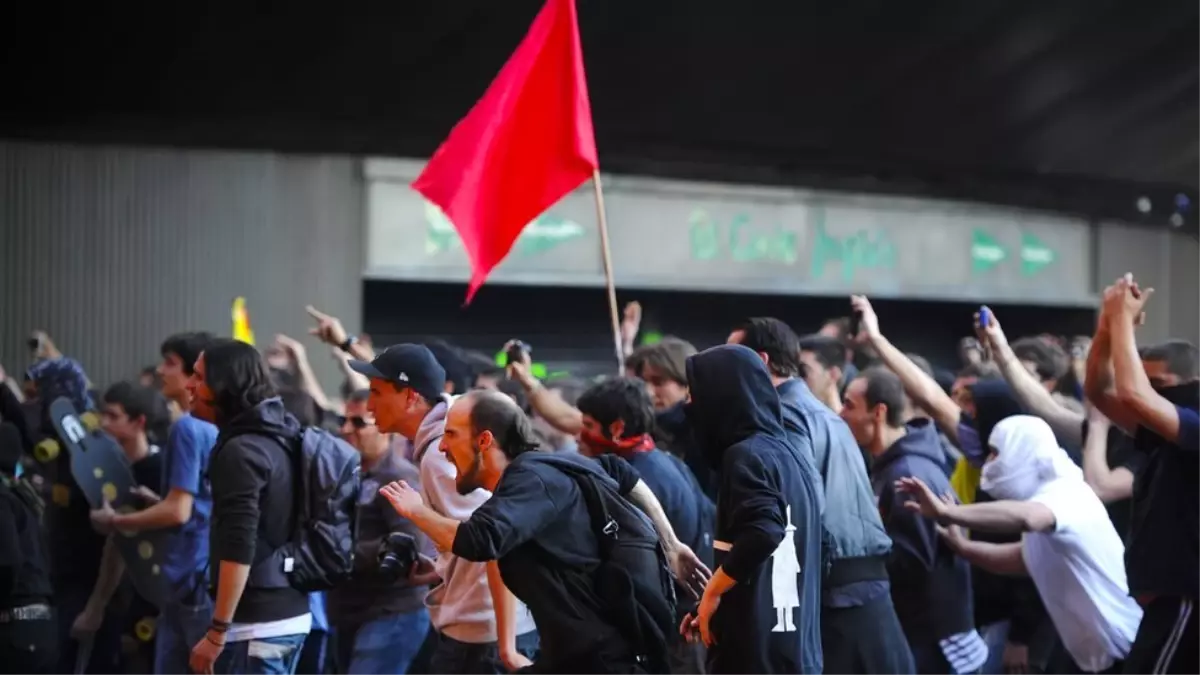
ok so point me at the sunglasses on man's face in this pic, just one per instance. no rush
(358, 422)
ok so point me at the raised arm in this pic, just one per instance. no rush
(1098, 384)
(1146, 407)
(1066, 423)
(557, 412)
(923, 389)
(1109, 484)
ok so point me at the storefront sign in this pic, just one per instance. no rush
(693, 236)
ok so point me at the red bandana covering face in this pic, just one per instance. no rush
(626, 447)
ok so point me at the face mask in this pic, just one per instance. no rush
(969, 443)
(1017, 485)
(625, 447)
(1183, 395)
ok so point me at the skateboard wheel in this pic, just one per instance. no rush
(98, 473)
(109, 491)
(144, 629)
(60, 494)
(91, 421)
(145, 550)
(155, 570)
(46, 451)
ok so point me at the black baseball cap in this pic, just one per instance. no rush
(407, 365)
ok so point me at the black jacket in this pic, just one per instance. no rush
(931, 586)
(768, 533)
(24, 574)
(673, 433)
(538, 527)
(254, 506)
(1162, 555)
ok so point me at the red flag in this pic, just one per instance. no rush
(525, 144)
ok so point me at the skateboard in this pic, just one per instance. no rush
(99, 468)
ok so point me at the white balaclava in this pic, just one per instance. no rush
(1027, 458)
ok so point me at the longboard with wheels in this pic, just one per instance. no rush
(99, 468)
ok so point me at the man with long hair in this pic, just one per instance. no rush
(252, 476)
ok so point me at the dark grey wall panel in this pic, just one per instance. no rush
(1161, 259)
(111, 249)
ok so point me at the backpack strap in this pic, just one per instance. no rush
(604, 526)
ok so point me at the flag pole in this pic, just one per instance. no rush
(606, 255)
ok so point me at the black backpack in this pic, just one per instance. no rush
(633, 579)
(320, 553)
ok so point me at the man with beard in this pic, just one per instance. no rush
(1155, 402)
(761, 612)
(540, 528)
(480, 627)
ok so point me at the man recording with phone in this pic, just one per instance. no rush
(379, 614)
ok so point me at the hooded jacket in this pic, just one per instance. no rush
(768, 534)
(856, 536)
(254, 505)
(931, 586)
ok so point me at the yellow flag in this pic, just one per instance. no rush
(241, 322)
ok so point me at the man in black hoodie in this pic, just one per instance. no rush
(761, 612)
(859, 629)
(259, 621)
(931, 586)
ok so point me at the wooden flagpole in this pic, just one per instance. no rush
(606, 255)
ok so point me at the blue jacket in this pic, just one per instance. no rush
(931, 586)
(851, 519)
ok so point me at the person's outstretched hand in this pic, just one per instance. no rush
(328, 329)
(689, 570)
(868, 326)
(926, 502)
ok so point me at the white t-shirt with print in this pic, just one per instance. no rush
(1079, 570)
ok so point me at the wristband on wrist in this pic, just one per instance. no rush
(219, 626)
(348, 343)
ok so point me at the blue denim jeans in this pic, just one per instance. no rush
(452, 657)
(261, 656)
(385, 645)
(179, 628)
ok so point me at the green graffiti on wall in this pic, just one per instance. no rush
(741, 241)
(543, 234)
(848, 255)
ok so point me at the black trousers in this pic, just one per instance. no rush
(29, 646)
(1166, 641)
(1062, 663)
(866, 639)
